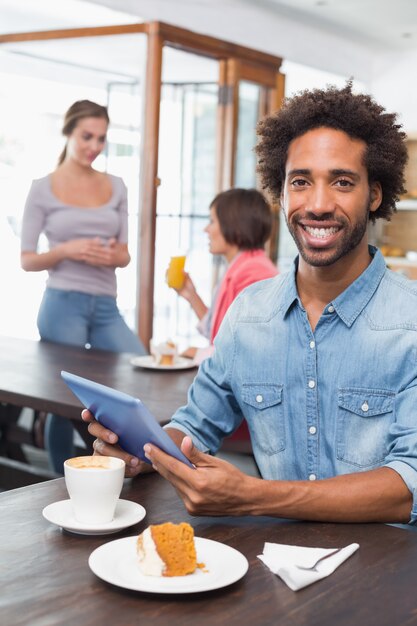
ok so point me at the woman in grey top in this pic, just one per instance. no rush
(83, 214)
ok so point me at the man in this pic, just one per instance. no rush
(321, 362)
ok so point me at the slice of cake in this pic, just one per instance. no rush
(164, 353)
(168, 352)
(167, 550)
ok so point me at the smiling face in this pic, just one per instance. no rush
(327, 197)
(87, 140)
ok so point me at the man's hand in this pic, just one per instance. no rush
(215, 487)
(106, 445)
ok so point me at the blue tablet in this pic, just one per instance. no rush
(126, 416)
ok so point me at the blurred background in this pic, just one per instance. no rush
(184, 98)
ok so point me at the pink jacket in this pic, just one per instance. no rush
(249, 267)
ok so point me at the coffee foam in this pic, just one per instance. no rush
(92, 462)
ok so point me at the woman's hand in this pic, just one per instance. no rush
(106, 445)
(81, 249)
(189, 293)
(95, 252)
(188, 290)
(90, 251)
(189, 353)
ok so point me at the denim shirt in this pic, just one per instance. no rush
(340, 400)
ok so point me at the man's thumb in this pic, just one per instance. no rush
(191, 452)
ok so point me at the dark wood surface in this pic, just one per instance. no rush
(30, 377)
(45, 578)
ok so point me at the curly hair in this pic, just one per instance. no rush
(359, 116)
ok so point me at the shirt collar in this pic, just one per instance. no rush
(351, 302)
(289, 292)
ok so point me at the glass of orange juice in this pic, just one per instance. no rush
(175, 273)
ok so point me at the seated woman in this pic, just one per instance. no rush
(240, 224)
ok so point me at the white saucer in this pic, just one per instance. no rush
(127, 513)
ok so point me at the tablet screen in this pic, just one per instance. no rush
(124, 415)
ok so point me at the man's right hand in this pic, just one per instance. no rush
(106, 445)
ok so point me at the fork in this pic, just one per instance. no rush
(313, 567)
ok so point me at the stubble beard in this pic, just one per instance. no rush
(349, 241)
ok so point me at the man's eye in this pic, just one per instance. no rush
(87, 136)
(299, 182)
(342, 182)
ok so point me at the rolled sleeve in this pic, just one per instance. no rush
(402, 449)
(196, 441)
(409, 476)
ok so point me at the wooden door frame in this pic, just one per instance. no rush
(232, 72)
(272, 84)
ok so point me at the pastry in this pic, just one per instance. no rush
(167, 550)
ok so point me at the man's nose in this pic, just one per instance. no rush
(320, 200)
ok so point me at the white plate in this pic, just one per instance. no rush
(127, 513)
(148, 362)
(116, 563)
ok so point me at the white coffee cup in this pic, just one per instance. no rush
(94, 484)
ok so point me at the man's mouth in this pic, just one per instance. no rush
(322, 232)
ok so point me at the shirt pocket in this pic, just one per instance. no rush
(263, 410)
(364, 419)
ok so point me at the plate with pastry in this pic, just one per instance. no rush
(163, 356)
(167, 558)
(149, 362)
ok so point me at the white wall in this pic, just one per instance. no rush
(390, 77)
(395, 87)
(258, 28)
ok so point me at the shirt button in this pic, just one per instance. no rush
(312, 477)
(312, 430)
(331, 309)
(259, 398)
(311, 384)
(312, 344)
(365, 407)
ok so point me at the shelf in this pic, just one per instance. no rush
(407, 205)
(400, 261)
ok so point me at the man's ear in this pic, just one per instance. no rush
(375, 196)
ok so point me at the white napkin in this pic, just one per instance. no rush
(284, 561)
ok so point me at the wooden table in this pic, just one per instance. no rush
(45, 578)
(30, 377)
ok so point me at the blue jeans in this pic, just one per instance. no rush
(80, 319)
